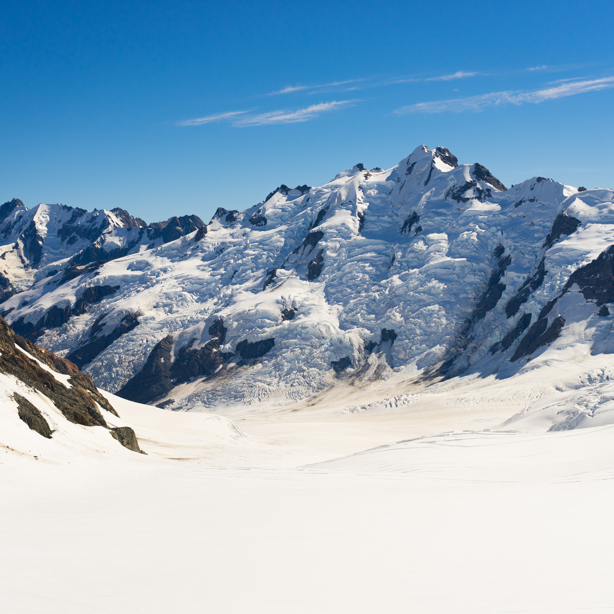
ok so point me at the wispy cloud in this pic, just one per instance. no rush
(295, 116)
(242, 119)
(568, 80)
(209, 119)
(319, 88)
(517, 97)
(290, 89)
(460, 74)
(542, 67)
(364, 83)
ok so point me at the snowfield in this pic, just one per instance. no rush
(437, 505)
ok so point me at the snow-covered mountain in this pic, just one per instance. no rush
(430, 269)
(35, 243)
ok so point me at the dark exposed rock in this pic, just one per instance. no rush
(165, 404)
(202, 362)
(539, 335)
(92, 295)
(481, 173)
(153, 380)
(563, 225)
(458, 194)
(71, 231)
(32, 245)
(160, 374)
(530, 285)
(314, 268)
(595, 279)
(429, 175)
(370, 346)
(388, 334)
(96, 253)
(7, 208)
(218, 330)
(446, 157)
(360, 166)
(412, 219)
(6, 288)
(410, 169)
(581, 189)
(127, 220)
(175, 228)
(498, 251)
(200, 234)
(127, 437)
(282, 189)
(512, 335)
(257, 219)
(86, 353)
(32, 416)
(57, 316)
(257, 349)
(74, 270)
(547, 308)
(604, 311)
(226, 216)
(288, 314)
(321, 213)
(387, 338)
(285, 190)
(494, 289)
(341, 365)
(361, 221)
(270, 276)
(77, 403)
(312, 239)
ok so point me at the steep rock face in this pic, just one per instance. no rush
(454, 267)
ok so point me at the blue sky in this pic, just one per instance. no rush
(167, 108)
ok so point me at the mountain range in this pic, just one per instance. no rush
(420, 273)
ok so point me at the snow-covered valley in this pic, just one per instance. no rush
(440, 506)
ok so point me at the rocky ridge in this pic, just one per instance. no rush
(51, 381)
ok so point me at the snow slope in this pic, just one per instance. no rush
(427, 270)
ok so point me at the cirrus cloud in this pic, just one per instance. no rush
(243, 119)
(516, 97)
(209, 119)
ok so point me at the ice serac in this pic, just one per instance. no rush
(427, 270)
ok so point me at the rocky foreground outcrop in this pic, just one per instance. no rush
(74, 395)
